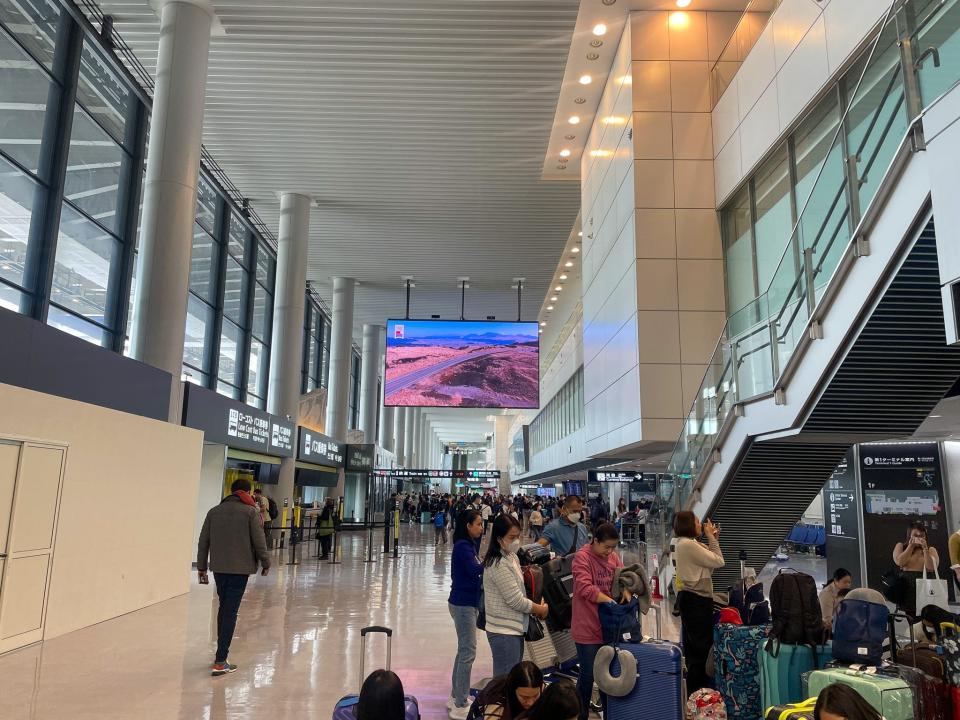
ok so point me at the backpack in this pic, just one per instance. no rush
(795, 608)
(750, 602)
(273, 510)
(558, 591)
(533, 582)
(440, 520)
(859, 631)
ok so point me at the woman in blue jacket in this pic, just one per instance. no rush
(464, 603)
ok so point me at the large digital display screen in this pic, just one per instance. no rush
(464, 363)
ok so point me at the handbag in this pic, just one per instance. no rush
(931, 591)
(481, 612)
(535, 631)
(893, 585)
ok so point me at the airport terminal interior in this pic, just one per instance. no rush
(313, 313)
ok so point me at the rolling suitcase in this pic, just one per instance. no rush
(781, 677)
(793, 711)
(736, 653)
(889, 696)
(346, 709)
(660, 690)
(425, 517)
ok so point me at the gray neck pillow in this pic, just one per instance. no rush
(622, 684)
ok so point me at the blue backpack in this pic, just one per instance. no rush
(750, 602)
(440, 520)
(859, 631)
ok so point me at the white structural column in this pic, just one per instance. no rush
(338, 392)
(425, 434)
(400, 435)
(369, 373)
(408, 424)
(386, 428)
(286, 348)
(170, 190)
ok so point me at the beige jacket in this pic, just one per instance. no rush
(696, 563)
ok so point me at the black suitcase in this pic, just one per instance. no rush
(558, 592)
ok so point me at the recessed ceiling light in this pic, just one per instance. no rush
(554, 298)
(541, 332)
(614, 120)
(596, 43)
(574, 120)
(601, 29)
(561, 167)
(580, 234)
(579, 100)
(563, 277)
(575, 250)
(568, 264)
(543, 324)
(626, 80)
(549, 308)
(558, 288)
(564, 160)
(601, 153)
(564, 153)
(593, 56)
(683, 3)
(585, 79)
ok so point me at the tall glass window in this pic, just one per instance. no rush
(563, 415)
(738, 241)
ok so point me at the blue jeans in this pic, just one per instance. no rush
(507, 651)
(465, 622)
(586, 655)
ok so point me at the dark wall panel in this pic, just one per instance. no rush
(38, 357)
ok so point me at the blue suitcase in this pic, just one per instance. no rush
(346, 708)
(660, 691)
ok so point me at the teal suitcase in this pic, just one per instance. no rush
(781, 677)
(889, 696)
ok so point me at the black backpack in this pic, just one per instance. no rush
(273, 509)
(750, 602)
(795, 608)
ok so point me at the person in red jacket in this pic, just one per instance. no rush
(593, 569)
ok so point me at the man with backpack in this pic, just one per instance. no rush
(440, 526)
(268, 512)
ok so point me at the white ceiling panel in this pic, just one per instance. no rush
(419, 126)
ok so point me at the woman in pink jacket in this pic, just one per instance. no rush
(593, 568)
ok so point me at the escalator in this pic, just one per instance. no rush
(848, 343)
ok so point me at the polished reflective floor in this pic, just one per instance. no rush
(297, 645)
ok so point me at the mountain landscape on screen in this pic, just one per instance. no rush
(462, 364)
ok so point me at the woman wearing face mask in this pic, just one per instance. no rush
(831, 595)
(507, 606)
(593, 568)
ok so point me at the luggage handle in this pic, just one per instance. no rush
(373, 630)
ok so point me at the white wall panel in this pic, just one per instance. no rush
(847, 24)
(790, 25)
(760, 129)
(756, 72)
(728, 167)
(803, 75)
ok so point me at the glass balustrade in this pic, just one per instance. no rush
(760, 339)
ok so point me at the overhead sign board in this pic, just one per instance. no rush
(606, 476)
(360, 458)
(236, 424)
(476, 474)
(318, 448)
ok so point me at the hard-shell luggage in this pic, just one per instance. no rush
(660, 691)
(736, 657)
(931, 697)
(889, 696)
(425, 517)
(346, 709)
(542, 653)
(793, 711)
(781, 676)
(950, 644)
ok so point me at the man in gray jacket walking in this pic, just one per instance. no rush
(232, 537)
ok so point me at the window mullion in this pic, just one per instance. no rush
(222, 227)
(131, 190)
(55, 149)
(250, 285)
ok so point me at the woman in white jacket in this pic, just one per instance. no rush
(506, 604)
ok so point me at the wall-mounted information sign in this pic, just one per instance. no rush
(841, 515)
(236, 424)
(318, 448)
(900, 483)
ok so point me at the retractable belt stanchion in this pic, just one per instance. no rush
(396, 533)
(295, 530)
(284, 514)
(335, 554)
